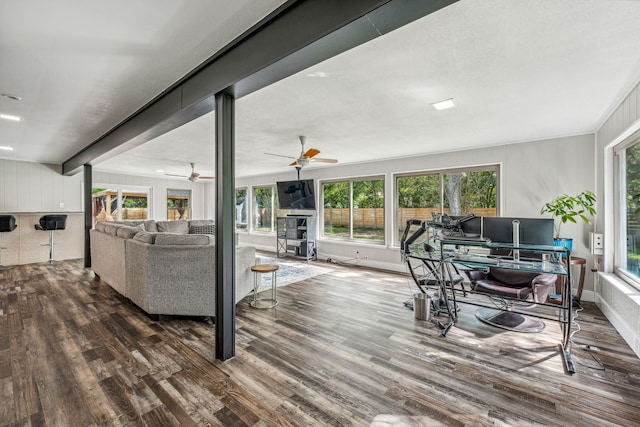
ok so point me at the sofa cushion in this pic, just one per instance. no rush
(179, 227)
(146, 237)
(203, 229)
(127, 232)
(100, 226)
(112, 229)
(182, 239)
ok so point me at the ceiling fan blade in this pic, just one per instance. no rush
(206, 177)
(294, 163)
(317, 159)
(280, 155)
(311, 152)
(173, 174)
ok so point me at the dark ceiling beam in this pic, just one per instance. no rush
(296, 36)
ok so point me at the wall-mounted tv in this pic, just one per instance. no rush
(296, 194)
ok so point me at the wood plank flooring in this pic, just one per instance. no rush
(339, 350)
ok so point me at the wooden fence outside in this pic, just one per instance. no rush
(374, 217)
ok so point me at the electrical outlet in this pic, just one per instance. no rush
(357, 254)
(596, 243)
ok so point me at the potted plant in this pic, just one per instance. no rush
(570, 208)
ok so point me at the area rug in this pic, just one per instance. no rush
(289, 272)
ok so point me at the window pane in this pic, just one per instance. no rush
(418, 198)
(368, 210)
(178, 204)
(241, 208)
(103, 204)
(632, 181)
(336, 209)
(264, 208)
(107, 207)
(470, 193)
(135, 204)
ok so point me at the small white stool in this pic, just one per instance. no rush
(259, 269)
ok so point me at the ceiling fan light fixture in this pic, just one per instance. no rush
(443, 105)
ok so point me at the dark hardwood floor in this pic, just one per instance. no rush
(340, 349)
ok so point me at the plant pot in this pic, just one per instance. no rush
(562, 241)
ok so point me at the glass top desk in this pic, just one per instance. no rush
(448, 253)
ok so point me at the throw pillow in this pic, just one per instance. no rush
(203, 229)
(150, 225)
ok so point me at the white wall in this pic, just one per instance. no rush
(532, 174)
(36, 187)
(619, 301)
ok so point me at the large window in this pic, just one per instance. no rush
(456, 192)
(627, 253)
(178, 204)
(354, 209)
(241, 208)
(265, 202)
(119, 203)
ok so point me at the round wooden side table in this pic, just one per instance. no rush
(258, 270)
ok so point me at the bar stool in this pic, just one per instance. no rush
(259, 269)
(51, 223)
(7, 224)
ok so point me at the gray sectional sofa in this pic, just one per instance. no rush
(164, 267)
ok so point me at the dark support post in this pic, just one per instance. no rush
(88, 211)
(225, 227)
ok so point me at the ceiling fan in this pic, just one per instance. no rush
(305, 156)
(194, 175)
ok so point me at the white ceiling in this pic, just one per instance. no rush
(518, 71)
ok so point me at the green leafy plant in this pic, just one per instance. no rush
(568, 208)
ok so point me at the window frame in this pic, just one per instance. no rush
(247, 209)
(351, 237)
(274, 210)
(189, 203)
(396, 228)
(119, 189)
(620, 243)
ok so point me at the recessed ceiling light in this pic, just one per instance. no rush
(10, 117)
(443, 105)
(6, 148)
(159, 171)
(320, 74)
(8, 95)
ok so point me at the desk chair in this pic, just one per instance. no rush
(51, 223)
(7, 224)
(516, 287)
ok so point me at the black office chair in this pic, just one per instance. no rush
(51, 223)
(7, 224)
